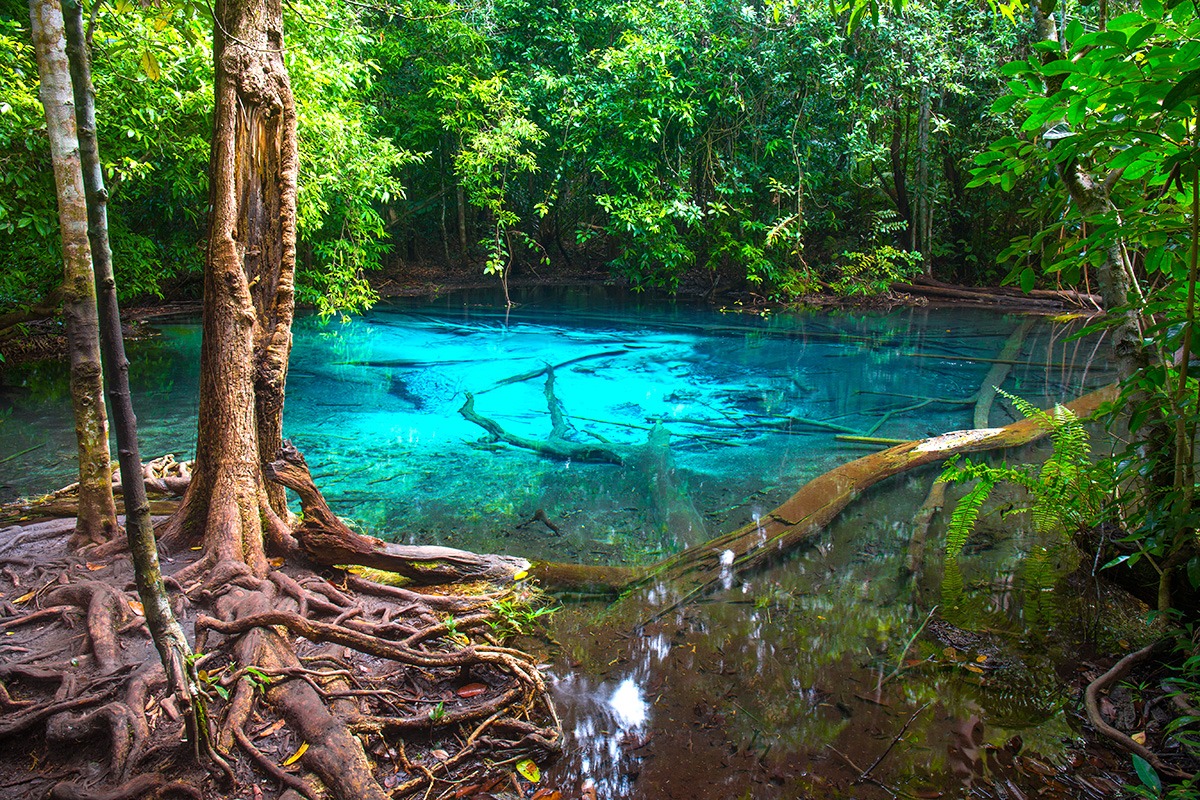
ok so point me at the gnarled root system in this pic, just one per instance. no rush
(327, 686)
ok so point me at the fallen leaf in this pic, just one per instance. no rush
(466, 791)
(440, 755)
(472, 690)
(546, 794)
(137, 608)
(529, 770)
(25, 598)
(294, 757)
(980, 659)
(275, 562)
(94, 567)
(1139, 737)
(267, 731)
(975, 669)
(198, 547)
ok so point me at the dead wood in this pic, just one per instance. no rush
(920, 528)
(1091, 699)
(327, 540)
(557, 449)
(999, 371)
(806, 513)
(1045, 300)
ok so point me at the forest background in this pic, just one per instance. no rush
(687, 145)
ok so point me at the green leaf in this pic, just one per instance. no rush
(150, 65)
(1146, 774)
(1152, 8)
(529, 770)
(1028, 280)
(1185, 89)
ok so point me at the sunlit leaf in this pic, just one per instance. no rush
(529, 770)
(294, 757)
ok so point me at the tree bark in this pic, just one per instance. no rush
(248, 291)
(97, 518)
(924, 218)
(168, 636)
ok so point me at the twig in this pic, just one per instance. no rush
(866, 774)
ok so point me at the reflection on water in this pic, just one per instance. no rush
(792, 682)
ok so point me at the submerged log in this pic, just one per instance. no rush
(326, 540)
(1003, 364)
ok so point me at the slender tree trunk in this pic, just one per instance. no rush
(248, 291)
(460, 196)
(924, 217)
(97, 518)
(900, 182)
(168, 636)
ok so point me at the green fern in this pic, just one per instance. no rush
(1066, 493)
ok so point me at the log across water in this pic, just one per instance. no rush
(689, 573)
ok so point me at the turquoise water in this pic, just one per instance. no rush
(752, 405)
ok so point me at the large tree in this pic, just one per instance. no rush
(248, 292)
(97, 517)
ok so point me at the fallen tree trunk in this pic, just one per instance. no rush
(326, 540)
(1003, 295)
(696, 570)
(820, 500)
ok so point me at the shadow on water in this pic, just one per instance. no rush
(790, 683)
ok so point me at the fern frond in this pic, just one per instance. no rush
(965, 515)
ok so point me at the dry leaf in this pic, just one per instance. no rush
(472, 690)
(975, 669)
(1139, 737)
(980, 659)
(275, 562)
(25, 598)
(94, 567)
(440, 755)
(137, 608)
(547, 794)
(294, 757)
(272, 728)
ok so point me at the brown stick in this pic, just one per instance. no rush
(1092, 702)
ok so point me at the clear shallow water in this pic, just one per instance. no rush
(744, 693)
(373, 403)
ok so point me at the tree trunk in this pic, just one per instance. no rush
(461, 198)
(169, 639)
(248, 291)
(924, 217)
(97, 519)
(899, 180)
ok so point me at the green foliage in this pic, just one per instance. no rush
(1067, 491)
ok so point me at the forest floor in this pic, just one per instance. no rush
(427, 679)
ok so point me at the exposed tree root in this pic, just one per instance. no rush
(392, 669)
(149, 785)
(1091, 699)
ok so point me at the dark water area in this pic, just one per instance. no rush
(751, 692)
